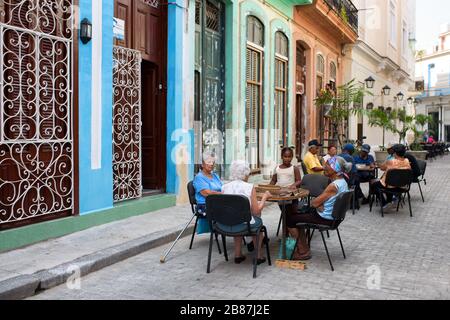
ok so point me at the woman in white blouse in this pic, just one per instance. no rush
(239, 174)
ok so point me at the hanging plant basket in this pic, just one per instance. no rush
(327, 109)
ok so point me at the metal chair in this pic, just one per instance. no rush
(422, 166)
(193, 203)
(399, 181)
(340, 208)
(316, 185)
(224, 210)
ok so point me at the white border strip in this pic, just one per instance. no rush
(96, 107)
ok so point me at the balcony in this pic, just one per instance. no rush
(338, 18)
(346, 10)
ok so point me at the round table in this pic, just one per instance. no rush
(282, 199)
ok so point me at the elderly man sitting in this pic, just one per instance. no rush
(239, 174)
(364, 158)
(311, 160)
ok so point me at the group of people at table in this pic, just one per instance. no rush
(342, 171)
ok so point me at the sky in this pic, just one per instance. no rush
(431, 14)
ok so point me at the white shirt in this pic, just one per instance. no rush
(285, 177)
(239, 187)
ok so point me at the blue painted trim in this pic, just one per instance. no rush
(174, 91)
(95, 186)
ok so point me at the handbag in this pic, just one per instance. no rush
(203, 225)
(290, 247)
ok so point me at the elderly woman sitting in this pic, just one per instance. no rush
(206, 182)
(239, 174)
(322, 206)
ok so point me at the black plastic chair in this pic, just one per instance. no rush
(422, 166)
(233, 210)
(305, 171)
(193, 202)
(340, 208)
(315, 184)
(400, 182)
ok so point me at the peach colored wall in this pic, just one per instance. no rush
(318, 40)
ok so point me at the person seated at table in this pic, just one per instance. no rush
(332, 151)
(311, 159)
(431, 140)
(390, 151)
(364, 158)
(400, 162)
(206, 182)
(414, 166)
(321, 207)
(239, 174)
(347, 154)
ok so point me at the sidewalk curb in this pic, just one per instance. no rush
(24, 286)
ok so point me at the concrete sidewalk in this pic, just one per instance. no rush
(23, 272)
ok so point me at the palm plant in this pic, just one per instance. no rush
(344, 103)
(382, 119)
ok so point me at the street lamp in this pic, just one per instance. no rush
(400, 96)
(370, 82)
(410, 101)
(386, 90)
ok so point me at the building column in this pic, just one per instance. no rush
(179, 142)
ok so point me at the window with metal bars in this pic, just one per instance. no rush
(254, 89)
(280, 90)
(212, 17)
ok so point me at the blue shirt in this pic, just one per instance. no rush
(368, 161)
(349, 159)
(202, 182)
(327, 213)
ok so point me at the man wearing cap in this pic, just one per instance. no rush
(347, 154)
(311, 160)
(364, 158)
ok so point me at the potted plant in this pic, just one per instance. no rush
(338, 107)
(416, 148)
(386, 121)
(325, 100)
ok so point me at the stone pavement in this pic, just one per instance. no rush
(395, 257)
(44, 263)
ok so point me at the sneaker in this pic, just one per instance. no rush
(387, 206)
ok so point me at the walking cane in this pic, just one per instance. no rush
(163, 259)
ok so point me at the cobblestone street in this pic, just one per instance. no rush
(395, 257)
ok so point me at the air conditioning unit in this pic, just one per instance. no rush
(300, 88)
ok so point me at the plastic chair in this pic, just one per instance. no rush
(340, 208)
(422, 166)
(399, 181)
(233, 210)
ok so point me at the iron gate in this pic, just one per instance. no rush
(127, 124)
(36, 142)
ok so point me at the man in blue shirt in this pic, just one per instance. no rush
(364, 158)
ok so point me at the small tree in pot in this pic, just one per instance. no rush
(384, 120)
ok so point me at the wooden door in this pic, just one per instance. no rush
(36, 142)
(299, 102)
(146, 31)
(210, 78)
